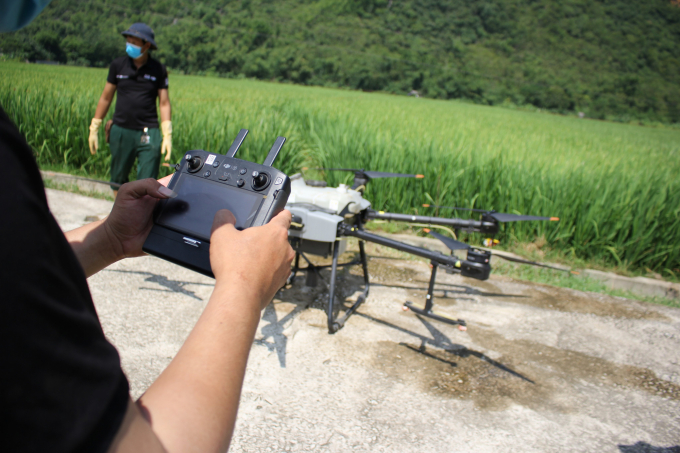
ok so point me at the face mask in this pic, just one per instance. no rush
(18, 14)
(133, 51)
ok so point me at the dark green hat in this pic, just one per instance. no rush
(141, 31)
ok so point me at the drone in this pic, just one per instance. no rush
(324, 217)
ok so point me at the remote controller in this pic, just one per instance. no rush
(205, 183)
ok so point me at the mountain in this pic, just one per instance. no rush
(610, 59)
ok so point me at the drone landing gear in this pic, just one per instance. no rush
(427, 310)
(335, 323)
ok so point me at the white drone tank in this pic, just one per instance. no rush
(330, 199)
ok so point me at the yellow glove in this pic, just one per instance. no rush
(94, 135)
(166, 147)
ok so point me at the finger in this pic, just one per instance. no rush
(165, 181)
(222, 217)
(283, 219)
(142, 187)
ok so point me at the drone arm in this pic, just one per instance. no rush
(452, 263)
(469, 225)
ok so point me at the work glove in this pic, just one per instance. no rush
(94, 135)
(166, 147)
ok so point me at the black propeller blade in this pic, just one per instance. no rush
(373, 174)
(501, 217)
(450, 243)
(498, 216)
(457, 245)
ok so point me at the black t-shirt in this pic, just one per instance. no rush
(61, 385)
(137, 92)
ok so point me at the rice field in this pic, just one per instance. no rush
(614, 186)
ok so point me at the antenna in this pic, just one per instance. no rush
(276, 147)
(237, 142)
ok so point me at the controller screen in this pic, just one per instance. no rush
(194, 208)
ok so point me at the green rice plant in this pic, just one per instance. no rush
(615, 187)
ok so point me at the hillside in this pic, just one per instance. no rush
(613, 59)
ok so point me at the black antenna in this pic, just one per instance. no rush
(276, 147)
(237, 142)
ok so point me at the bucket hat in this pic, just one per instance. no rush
(141, 31)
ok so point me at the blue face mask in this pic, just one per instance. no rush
(15, 15)
(133, 51)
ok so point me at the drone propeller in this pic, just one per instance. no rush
(373, 174)
(450, 243)
(457, 245)
(498, 216)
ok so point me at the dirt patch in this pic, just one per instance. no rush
(461, 373)
(567, 300)
(530, 374)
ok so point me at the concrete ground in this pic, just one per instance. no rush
(540, 369)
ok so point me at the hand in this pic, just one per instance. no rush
(93, 139)
(264, 255)
(130, 220)
(166, 146)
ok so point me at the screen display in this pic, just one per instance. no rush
(193, 210)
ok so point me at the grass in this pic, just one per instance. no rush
(73, 188)
(614, 186)
(580, 283)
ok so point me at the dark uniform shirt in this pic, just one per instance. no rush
(61, 385)
(137, 92)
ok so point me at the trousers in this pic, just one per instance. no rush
(126, 146)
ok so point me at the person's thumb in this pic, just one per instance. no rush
(223, 217)
(283, 219)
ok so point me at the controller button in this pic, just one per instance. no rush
(278, 181)
(224, 176)
(242, 171)
(216, 164)
(240, 183)
(207, 174)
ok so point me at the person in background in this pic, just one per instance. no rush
(62, 386)
(139, 80)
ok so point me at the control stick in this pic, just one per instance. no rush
(260, 180)
(194, 163)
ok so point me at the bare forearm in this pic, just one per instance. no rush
(93, 247)
(193, 404)
(166, 111)
(102, 107)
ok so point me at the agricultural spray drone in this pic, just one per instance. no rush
(323, 218)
